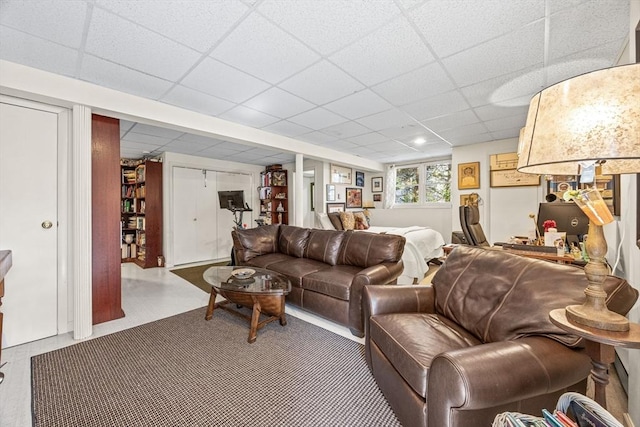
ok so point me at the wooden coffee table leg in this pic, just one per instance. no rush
(283, 317)
(255, 316)
(212, 304)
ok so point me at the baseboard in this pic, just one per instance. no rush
(623, 375)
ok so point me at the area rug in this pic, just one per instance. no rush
(193, 275)
(185, 371)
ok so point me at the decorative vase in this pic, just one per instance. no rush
(594, 206)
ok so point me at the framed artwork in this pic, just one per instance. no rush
(354, 197)
(470, 199)
(376, 184)
(331, 193)
(513, 178)
(359, 179)
(340, 175)
(335, 207)
(468, 175)
(377, 197)
(609, 186)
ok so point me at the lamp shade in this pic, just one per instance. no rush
(591, 117)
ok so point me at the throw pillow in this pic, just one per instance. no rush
(361, 219)
(325, 222)
(334, 217)
(348, 220)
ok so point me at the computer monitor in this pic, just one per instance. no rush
(569, 218)
(231, 199)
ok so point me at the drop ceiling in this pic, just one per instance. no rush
(367, 78)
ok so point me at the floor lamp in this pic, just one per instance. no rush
(573, 127)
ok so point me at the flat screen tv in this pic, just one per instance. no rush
(568, 216)
(231, 199)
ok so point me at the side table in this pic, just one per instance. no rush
(600, 345)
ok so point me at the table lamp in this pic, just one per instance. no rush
(592, 120)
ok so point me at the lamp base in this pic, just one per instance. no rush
(598, 318)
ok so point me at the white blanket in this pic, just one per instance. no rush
(423, 244)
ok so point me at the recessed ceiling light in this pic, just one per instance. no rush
(419, 141)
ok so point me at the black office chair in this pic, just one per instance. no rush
(471, 228)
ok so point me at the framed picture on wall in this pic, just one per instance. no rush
(468, 175)
(354, 197)
(377, 197)
(359, 179)
(335, 207)
(340, 175)
(376, 184)
(331, 193)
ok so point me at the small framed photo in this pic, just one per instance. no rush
(376, 185)
(468, 175)
(359, 179)
(354, 197)
(377, 197)
(335, 207)
(331, 193)
(469, 199)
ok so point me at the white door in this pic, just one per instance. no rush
(194, 215)
(28, 222)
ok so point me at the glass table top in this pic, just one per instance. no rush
(252, 280)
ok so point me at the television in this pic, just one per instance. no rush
(569, 218)
(231, 199)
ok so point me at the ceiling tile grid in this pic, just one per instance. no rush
(366, 78)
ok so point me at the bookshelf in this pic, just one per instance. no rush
(141, 212)
(274, 196)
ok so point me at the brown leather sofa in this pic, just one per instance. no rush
(327, 269)
(478, 341)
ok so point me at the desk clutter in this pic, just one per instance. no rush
(572, 410)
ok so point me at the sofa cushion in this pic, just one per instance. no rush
(366, 249)
(411, 341)
(348, 220)
(296, 268)
(334, 281)
(254, 242)
(293, 240)
(265, 261)
(324, 246)
(501, 289)
(334, 217)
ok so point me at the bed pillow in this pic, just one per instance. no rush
(325, 222)
(361, 221)
(334, 217)
(348, 220)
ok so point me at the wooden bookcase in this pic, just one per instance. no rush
(274, 196)
(141, 213)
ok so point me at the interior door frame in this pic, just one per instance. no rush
(64, 297)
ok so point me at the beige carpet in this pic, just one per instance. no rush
(185, 371)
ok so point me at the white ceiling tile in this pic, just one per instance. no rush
(136, 145)
(505, 87)
(197, 24)
(329, 83)
(516, 51)
(32, 51)
(340, 145)
(232, 146)
(190, 99)
(327, 26)
(121, 78)
(218, 79)
(358, 150)
(569, 34)
(316, 137)
(120, 41)
(185, 147)
(492, 112)
(388, 52)
(464, 131)
(263, 50)
(386, 119)
(504, 123)
(286, 128)
(582, 62)
(415, 85)
(406, 131)
(368, 138)
(360, 104)
(156, 131)
(278, 103)
(132, 136)
(346, 130)
(318, 118)
(472, 139)
(436, 106)
(506, 133)
(450, 121)
(217, 152)
(125, 126)
(453, 26)
(248, 116)
(59, 22)
(131, 153)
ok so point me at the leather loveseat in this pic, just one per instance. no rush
(478, 341)
(327, 269)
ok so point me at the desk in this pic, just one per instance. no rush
(566, 259)
(5, 265)
(600, 346)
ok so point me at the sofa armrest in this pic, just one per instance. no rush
(376, 275)
(393, 299)
(482, 376)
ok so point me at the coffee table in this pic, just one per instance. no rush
(261, 290)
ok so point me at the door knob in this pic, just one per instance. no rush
(47, 224)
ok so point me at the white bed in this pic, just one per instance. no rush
(423, 244)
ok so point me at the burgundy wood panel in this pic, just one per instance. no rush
(153, 214)
(105, 219)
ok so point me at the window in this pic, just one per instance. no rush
(423, 183)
